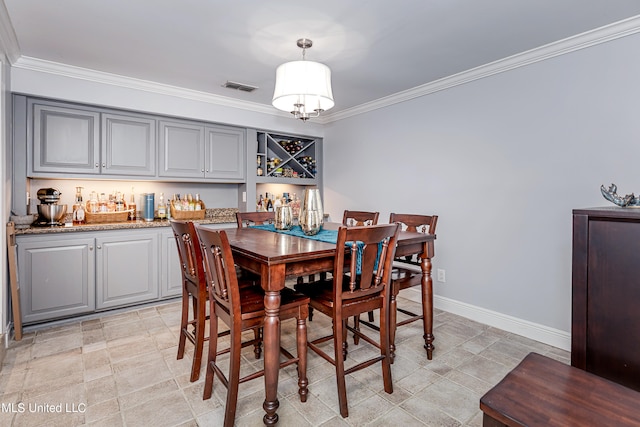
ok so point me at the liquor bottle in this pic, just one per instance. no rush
(133, 214)
(259, 204)
(199, 205)
(162, 208)
(269, 205)
(92, 204)
(295, 205)
(78, 208)
(191, 203)
(111, 202)
(120, 204)
(102, 203)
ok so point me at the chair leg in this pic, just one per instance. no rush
(301, 341)
(200, 313)
(385, 343)
(345, 344)
(234, 379)
(310, 314)
(257, 347)
(338, 340)
(371, 318)
(183, 323)
(213, 350)
(356, 326)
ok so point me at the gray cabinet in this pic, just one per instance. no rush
(192, 150)
(67, 274)
(65, 139)
(56, 276)
(126, 269)
(171, 275)
(128, 145)
(77, 139)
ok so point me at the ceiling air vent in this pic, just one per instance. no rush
(239, 86)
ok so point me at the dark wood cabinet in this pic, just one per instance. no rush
(605, 334)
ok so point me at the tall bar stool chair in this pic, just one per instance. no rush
(241, 309)
(407, 271)
(354, 290)
(194, 289)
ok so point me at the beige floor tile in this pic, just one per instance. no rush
(168, 410)
(123, 366)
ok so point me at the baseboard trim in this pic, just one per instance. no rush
(534, 331)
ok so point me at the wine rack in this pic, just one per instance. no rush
(285, 158)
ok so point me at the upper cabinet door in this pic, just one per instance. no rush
(225, 153)
(181, 150)
(128, 145)
(65, 139)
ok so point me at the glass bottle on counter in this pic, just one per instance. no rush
(199, 205)
(78, 208)
(120, 204)
(102, 203)
(92, 204)
(133, 214)
(162, 208)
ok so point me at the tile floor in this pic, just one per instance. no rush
(121, 370)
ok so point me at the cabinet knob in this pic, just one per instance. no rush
(97, 165)
(104, 165)
(90, 248)
(99, 247)
(202, 170)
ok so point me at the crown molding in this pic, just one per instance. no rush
(581, 41)
(8, 40)
(56, 68)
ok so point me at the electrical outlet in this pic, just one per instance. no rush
(441, 276)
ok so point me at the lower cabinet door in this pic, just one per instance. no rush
(126, 269)
(56, 277)
(171, 280)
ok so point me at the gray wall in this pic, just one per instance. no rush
(503, 161)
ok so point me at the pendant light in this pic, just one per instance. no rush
(303, 88)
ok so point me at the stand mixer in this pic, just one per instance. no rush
(50, 213)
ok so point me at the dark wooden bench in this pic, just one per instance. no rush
(544, 392)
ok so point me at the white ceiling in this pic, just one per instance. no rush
(375, 48)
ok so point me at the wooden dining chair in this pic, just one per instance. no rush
(359, 218)
(245, 219)
(242, 309)
(193, 288)
(194, 293)
(356, 291)
(407, 271)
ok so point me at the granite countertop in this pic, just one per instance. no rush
(212, 216)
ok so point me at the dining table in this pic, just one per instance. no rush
(276, 257)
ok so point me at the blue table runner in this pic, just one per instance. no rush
(327, 236)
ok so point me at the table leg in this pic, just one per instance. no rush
(427, 305)
(271, 340)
